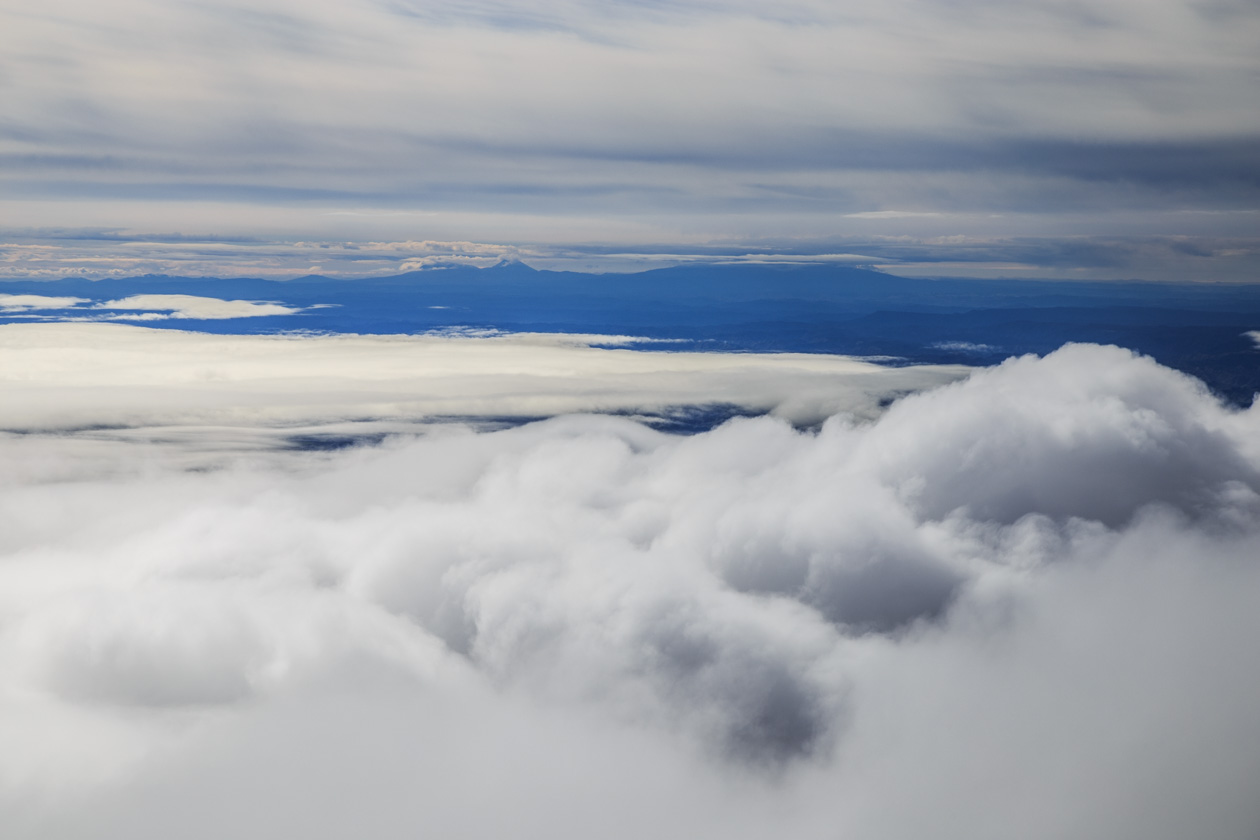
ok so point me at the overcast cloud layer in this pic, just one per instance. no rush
(1018, 605)
(1112, 139)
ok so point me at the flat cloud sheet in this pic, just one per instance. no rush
(1017, 605)
(66, 375)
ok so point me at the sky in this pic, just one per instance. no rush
(1052, 138)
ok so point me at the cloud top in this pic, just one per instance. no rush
(193, 306)
(148, 307)
(1037, 582)
(26, 303)
(88, 374)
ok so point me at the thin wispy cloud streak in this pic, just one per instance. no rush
(1038, 582)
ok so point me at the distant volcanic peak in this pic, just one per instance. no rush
(513, 264)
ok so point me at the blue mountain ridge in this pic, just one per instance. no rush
(1198, 328)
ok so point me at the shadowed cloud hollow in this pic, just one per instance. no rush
(1035, 585)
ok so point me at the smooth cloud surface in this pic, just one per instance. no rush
(1018, 605)
(150, 307)
(65, 376)
(25, 303)
(194, 306)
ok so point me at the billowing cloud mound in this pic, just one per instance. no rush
(1018, 605)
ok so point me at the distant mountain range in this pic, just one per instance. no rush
(1197, 328)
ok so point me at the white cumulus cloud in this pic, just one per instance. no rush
(1016, 605)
